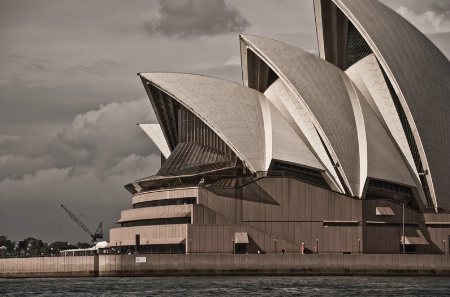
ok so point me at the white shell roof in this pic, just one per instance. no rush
(287, 144)
(242, 117)
(157, 136)
(231, 110)
(420, 74)
(316, 81)
(384, 162)
(297, 118)
(367, 76)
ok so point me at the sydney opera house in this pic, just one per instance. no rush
(345, 152)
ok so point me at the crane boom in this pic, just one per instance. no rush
(98, 233)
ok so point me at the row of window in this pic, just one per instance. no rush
(166, 202)
(164, 221)
(390, 186)
(306, 174)
(156, 249)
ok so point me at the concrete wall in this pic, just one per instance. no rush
(438, 228)
(301, 212)
(228, 264)
(291, 212)
(219, 239)
(294, 214)
(165, 194)
(126, 236)
(49, 266)
(273, 264)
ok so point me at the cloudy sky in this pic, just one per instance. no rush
(70, 97)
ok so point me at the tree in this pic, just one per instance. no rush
(4, 241)
(83, 245)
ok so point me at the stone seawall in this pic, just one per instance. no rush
(49, 267)
(227, 264)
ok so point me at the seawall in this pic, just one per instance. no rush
(227, 264)
(49, 267)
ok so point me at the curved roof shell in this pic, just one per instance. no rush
(244, 118)
(286, 144)
(367, 76)
(298, 119)
(315, 81)
(417, 70)
(231, 110)
(384, 162)
(156, 134)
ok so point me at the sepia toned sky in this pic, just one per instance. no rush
(70, 96)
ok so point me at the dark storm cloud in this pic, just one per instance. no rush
(16, 166)
(194, 18)
(93, 139)
(26, 146)
(83, 167)
(429, 17)
(44, 110)
(441, 7)
(441, 40)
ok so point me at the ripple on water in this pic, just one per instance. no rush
(228, 286)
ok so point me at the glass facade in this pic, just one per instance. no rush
(264, 75)
(390, 186)
(152, 222)
(357, 47)
(166, 202)
(162, 249)
(410, 138)
(198, 149)
(378, 189)
(305, 174)
(166, 110)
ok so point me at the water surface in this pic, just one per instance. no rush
(228, 286)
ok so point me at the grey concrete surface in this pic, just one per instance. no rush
(227, 264)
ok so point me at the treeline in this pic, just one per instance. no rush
(32, 247)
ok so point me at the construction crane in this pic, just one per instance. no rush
(97, 234)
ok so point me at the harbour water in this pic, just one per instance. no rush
(228, 286)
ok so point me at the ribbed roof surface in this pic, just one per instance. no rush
(298, 118)
(231, 110)
(383, 160)
(321, 86)
(287, 145)
(367, 76)
(420, 72)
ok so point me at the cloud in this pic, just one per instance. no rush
(101, 135)
(186, 19)
(14, 166)
(429, 22)
(231, 72)
(5, 136)
(31, 205)
(84, 167)
(234, 60)
(31, 147)
(442, 7)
